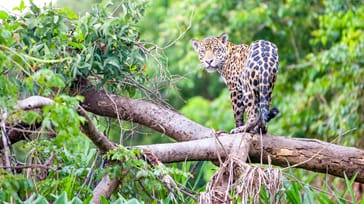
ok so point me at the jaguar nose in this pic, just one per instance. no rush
(209, 61)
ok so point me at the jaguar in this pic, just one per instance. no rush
(249, 71)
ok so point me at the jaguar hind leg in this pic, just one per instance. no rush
(257, 126)
(248, 127)
(262, 125)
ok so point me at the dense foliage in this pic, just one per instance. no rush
(44, 52)
(319, 89)
(320, 83)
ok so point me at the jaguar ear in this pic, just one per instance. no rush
(195, 44)
(224, 38)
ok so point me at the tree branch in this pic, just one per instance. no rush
(308, 154)
(104, 188)
(197, 150)
(33, 102)
(97, 137)
(146, 113)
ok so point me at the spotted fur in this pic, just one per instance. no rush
(249, 72)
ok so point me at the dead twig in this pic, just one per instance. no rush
(29, 166)
(5, 141)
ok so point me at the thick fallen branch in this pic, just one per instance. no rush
(308, 154)
(197, 150)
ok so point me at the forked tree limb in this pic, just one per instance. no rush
(308, 154)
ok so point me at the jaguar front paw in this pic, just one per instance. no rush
(238, 129)
(248, 127)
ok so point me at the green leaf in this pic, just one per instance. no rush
(34, 8)
(3, 15)
(76, 200)
(113, 61)
(75, 45)
(131, 91)
(21, 7)
(61, 199)
(349, 186)
(132, 201)
(6, 34)
(308, 195)
(69, 13)
(104, 200)
(56, 81)
(31, 117)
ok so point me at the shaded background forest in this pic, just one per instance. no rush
(319, 89)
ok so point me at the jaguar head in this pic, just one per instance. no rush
(212, 52)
